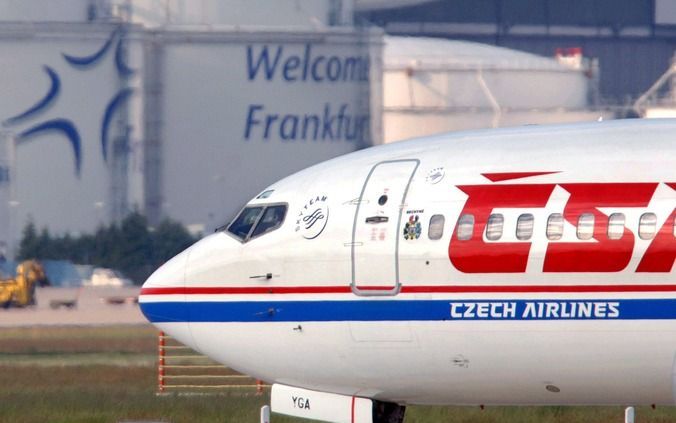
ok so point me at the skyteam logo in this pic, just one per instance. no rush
(313, 217)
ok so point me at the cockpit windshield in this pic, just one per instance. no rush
(245, 221)
(254, 221)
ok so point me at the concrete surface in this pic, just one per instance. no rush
(93, 306)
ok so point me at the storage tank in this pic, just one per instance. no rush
(435, 85)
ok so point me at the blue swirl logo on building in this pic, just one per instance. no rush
(67, 127)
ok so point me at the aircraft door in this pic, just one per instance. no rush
(377, 226)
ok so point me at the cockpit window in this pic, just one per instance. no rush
(265, 194)
(271, 220)
(255, 221)
(245, 221)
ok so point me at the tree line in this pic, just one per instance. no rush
(130, 246)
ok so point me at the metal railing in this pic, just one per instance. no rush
(180, 369)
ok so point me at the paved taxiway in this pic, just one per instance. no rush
(95, 306)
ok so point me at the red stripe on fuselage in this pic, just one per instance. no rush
(408, 289)
(508, 176)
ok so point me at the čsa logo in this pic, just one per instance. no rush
(601, 254)
(313, 217)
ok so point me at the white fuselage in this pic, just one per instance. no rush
(522, 266)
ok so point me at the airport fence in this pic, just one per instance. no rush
(182, 370)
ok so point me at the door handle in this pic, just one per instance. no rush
(377, 219)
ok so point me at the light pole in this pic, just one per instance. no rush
(98, 212)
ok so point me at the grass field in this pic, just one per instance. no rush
(108, 374)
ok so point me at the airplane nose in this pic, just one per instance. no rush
(162, 296)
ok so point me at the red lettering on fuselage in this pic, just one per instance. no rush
(601, 254)
(477, 256)
(604, 254)
(661, 254)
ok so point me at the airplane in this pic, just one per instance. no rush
(518, 266)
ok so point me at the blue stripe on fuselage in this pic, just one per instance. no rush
(413, 310)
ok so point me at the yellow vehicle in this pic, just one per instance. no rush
(20, 290)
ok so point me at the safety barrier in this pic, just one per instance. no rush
(180, 369)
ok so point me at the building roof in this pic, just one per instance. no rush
(424, 52)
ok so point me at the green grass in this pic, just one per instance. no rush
(108, 374)
(78, 359)
(96, 393)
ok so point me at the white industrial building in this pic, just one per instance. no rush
(179, 109)
(186, 109)
(434, 85)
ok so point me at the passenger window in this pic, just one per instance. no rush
(271, 220)
(494, 227)
(245, 221)
(616, 226)
(585, 226)
(465, 227)
(436, 228)
(524, 227)
(555, 227)
(647, 226)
